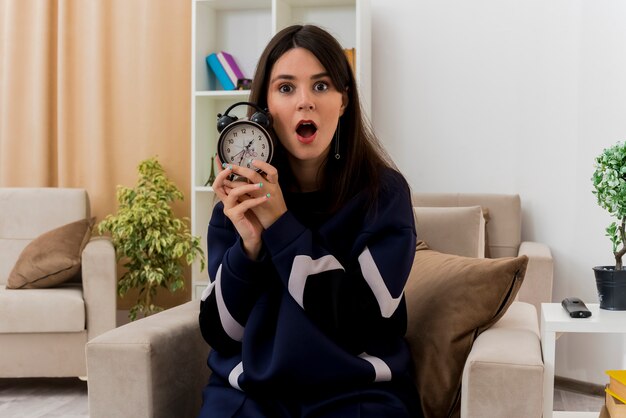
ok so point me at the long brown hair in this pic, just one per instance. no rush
(362, 156)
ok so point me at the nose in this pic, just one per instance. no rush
(305, 102)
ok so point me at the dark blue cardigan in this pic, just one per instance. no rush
(323, 308)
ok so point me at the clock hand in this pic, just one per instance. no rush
(247, 150)
(235, 155)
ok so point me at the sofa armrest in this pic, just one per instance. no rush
(537, 286)
(99, 275)
(153, 367)
(503, 375)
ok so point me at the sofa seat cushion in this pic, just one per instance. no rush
(60, 309)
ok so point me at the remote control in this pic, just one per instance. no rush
(576, 308)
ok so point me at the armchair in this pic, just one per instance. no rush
(43, 331)
(156, 367)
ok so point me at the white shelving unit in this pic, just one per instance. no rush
(555, 320)
(243, 28)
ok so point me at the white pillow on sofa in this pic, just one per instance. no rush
(452, 230)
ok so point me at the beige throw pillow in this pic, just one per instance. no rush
(452, 230)
(450, 301)
(52, 258)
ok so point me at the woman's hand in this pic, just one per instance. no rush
(237, 197)
(275, 205)
(252, 205)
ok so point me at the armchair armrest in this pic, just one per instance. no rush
(503, 375)
(537, 286)
(99, 275)
(153, 367)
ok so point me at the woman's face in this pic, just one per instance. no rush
(305, 105)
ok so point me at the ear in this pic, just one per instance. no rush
(344, 101)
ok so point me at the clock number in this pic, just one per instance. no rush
(243, 131)
(228, 150)
(231, 141)
(263, 146)
(234, 134)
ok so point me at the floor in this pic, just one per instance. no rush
(565, 400)
(67, 398)
(34, 398)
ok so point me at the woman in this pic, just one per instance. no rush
(309, 256)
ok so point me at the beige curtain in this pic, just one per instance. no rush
(88, 89)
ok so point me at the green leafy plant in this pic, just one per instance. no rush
(152, 243)
(609, 182)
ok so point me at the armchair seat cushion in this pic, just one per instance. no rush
(505, 362)
(60, 309)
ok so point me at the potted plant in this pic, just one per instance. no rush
(609, 182)
(152, 243)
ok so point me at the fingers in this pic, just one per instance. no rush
(218, 162)
(246, 185)
(238, 192)
(241, 191)
(271, 174)
(252, 175)
(219, 187)
(238, 211)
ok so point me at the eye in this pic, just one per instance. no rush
(320, 86)
(285, 88)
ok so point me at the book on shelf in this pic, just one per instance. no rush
(351, 56)
(220, 73)
(230, 66)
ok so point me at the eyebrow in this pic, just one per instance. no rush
(291, 77)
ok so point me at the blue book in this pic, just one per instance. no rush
(219, 72)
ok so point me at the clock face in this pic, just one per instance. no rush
(242, 141)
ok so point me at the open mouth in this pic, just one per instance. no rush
(306, 130)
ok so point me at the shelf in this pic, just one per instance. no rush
(571, 414)
(224, 94)
(600, 321)
(203, 189)
(243, 28)
(317, 3)
(236, 4)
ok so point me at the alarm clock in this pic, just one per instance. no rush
(242, 140)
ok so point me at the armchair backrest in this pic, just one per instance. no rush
(26, 213)
(503, 217)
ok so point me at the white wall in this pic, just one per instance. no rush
(512, 96)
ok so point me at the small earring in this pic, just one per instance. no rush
(337, 134)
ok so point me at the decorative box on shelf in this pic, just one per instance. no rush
(615, 408)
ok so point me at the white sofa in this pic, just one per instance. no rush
(43, 332)
(156, 367)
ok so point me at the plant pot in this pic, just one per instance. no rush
(611, 285)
